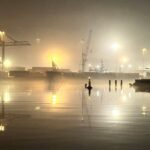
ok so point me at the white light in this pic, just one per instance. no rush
(130, 95)
(2, 128)
(124, 98)
(37, 108)
(7, 97)
(129, 66)
(144, 113)
(7, 63)
(90, 65)
(121, 66)
(38, 40)
(125, 59)
(97, 66)
(115, 113)
(115, 46)
(144, 108)
(139, 67)
(97, 93)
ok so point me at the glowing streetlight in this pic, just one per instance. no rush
(54, 99)
(125, 59)
(90, 67)
(7, 97)
(115, 46)
(38, 40)
(129, 66)
(2, 128)
(7, 63)
(2, 36)
(115, 113)
(144, 50)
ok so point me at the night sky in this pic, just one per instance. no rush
(61, 24)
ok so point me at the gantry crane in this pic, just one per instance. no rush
(5, 41)
(85, 50)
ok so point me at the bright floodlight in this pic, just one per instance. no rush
(115, 113)
(144, 50)
(90, 65)
(7, 63)
(125, 59)
(115, 46)
(129, 66)
(2, 35)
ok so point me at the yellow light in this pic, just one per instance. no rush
(2, 35)
(144, 108)
(37, 108)
(7, 63)
(7, 97)
(54, 59)
(2, 128)
(144, 50)
(90, 65)
(54, 99)
(125, 59)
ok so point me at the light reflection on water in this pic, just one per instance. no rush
(47, 100)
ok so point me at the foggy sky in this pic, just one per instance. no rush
(61, 24)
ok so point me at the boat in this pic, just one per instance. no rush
(142, 82)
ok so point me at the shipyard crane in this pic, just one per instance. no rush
(5, 41)
(85, 50)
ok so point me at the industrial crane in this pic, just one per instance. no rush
(5, 41)
(85, 50)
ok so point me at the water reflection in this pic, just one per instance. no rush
(2, 115)
(70, 100)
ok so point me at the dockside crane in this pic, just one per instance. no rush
(6, 41)
(85, 50)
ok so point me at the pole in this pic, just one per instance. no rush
(143, 61)
(3, 55)
(83, 60)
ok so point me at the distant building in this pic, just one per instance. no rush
(45, 69)
(16, 69)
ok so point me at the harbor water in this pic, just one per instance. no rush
(45, 114)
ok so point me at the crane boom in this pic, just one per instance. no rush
(16, 43)
(5, 41)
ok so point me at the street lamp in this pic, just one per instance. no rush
(144, 50)
(7, 63)
(115, 47)
(121, 67)
(2, 40)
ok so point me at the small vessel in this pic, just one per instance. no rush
(142, 82)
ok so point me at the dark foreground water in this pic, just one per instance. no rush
(46, 115)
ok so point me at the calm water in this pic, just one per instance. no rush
(60, 115)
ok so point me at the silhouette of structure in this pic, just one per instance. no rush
(85, 50)
(5, 41)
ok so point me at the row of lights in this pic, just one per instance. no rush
(116, 46)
